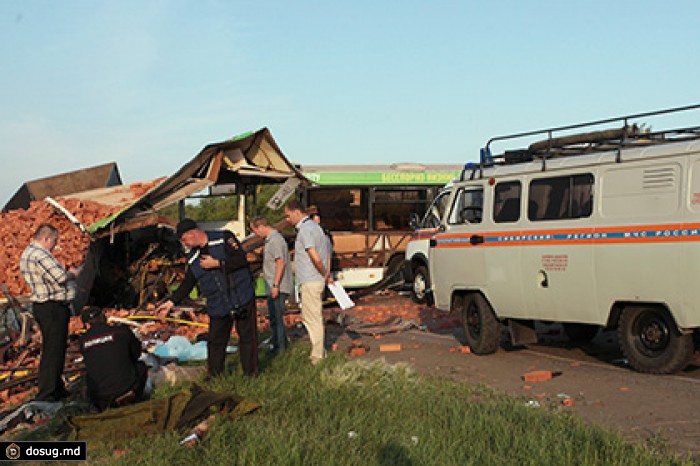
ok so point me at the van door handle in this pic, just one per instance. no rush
(432, 243)
(476, 239)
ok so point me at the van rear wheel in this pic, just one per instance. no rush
(481, 328)
(651, 342)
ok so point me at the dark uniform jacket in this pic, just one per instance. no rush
(110, 353)
(228, 288)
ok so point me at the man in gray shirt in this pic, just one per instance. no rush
(310, 259)
(277, 274)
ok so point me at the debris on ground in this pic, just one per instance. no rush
(383, 312)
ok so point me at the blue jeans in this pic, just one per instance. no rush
(275, 309)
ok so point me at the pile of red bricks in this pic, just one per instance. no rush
(18, 226)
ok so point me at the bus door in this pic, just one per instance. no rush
(457, 247)
(557, 249)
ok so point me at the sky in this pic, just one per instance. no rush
(148, 83)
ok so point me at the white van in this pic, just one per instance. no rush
(592, 230)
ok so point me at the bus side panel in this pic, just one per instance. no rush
(639, 204)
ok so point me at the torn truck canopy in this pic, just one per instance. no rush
(250, 158)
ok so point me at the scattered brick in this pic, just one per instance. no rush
(390, 348)
(358, 351)
(539, 376)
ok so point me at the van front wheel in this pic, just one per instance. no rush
(651, 342)
(420, 290)
(481, 328)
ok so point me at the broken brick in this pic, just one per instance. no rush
(358, 351)
(390, 348)
(539, 376)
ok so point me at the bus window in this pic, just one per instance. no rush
(506, 204)
(468, 206)
(561, 197)
(392, 208)
(343, 209)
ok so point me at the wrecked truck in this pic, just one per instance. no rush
(129, 249)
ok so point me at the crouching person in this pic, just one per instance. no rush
(115, 376)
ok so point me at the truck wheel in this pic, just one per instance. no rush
(651, 342)
(481, 328)
(580, 333)
(420, 290)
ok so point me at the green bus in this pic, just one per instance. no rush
(367, 210)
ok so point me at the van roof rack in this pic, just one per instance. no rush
(623, 137)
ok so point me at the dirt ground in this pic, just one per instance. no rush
(603, 390)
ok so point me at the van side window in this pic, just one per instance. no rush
(561, 197)
(467, 206)
(506, 204)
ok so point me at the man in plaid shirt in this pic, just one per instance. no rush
(53, 288)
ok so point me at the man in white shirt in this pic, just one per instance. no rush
(310, 259)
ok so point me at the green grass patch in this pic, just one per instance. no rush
(359, 412)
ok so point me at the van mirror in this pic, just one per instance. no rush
(414, 221)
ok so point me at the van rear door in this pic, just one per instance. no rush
(558, 272)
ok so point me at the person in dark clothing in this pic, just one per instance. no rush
(218, 265)
(115, 376)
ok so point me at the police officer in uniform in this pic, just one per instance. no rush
(218, 265)
(115, 376)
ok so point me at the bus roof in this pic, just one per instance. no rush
(394, 174)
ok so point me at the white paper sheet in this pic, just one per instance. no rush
(341, 296)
